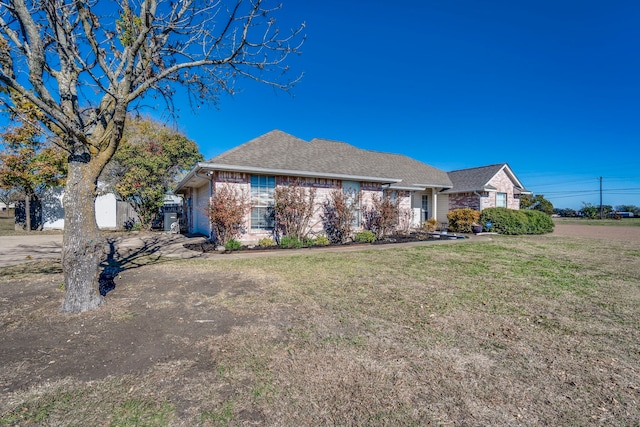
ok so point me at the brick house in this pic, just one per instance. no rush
(277, 158)
(484, 187)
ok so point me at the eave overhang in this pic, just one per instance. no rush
(192, 178)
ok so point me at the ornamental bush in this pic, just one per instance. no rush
(227, 211)
(291, 242)
(513, 222)
(365, 236)
(338, 215)
(294, 208)
(462, 220)
(321, 241)
(382, 216)
(233, 245)
(431, 224)
(266, 242)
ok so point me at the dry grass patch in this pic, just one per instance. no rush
(517, 331)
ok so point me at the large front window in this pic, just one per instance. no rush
(501, 200)
(262, 189)
(352, 190)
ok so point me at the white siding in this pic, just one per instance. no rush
(443, 208)
(53, 210)
(106, 211)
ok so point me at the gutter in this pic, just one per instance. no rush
(307, 174)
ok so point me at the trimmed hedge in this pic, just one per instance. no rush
(510, 221)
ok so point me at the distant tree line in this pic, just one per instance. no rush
(592, 211)
(588, 210)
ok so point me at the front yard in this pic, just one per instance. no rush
(540, 330)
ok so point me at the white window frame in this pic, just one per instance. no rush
(352, 189)
(424, 205)
(501, 200)
(262, 201)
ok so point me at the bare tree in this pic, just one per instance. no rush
(85, 63)
(7, 197)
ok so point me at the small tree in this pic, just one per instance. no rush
(146, 164)
(589, 211)
(338, 215)
(8, 196)
(537, 202)
(382, 216)
(227, 212)
(29, 162)
(294, 207)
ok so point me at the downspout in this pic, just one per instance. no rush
(479, 200)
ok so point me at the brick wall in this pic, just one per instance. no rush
(500, 181)
(504, 185)
(464, 200)
(323, 188)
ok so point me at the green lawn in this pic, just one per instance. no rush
(6, 224)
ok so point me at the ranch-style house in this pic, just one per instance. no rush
(276, 158)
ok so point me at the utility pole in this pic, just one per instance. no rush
(601, 216)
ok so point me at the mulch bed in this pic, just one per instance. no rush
(210, 247)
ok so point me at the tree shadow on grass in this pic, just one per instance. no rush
(121, 258)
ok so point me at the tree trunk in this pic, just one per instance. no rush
(83, 247)
(27, 212)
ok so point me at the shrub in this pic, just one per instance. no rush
(294, 207)
(431, 224)
(227, 213)
(291, 242)
(504, 221)
(509, 221)
(382, 216)
(321, 241)
(462, 220)
(539, 222)
(365, 236)
(338, 215)
(132, 225)
(266, 242)
(233, 245)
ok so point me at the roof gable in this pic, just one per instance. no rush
(479, 178)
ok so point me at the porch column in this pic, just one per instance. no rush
(434, 205)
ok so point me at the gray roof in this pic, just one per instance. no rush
(283, 152)
(477, 179)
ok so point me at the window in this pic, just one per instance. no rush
(262, 189)
(352, 190)
(501, 200)
(425, 207)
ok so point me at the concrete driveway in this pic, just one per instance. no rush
(19, 249)
(36, 246)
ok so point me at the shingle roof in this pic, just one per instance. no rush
(474, 179)
(281, 151)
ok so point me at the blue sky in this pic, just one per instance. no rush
(551, 87)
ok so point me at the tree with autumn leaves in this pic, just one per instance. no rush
(149, 160)
(29, 161)
(145, 167)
